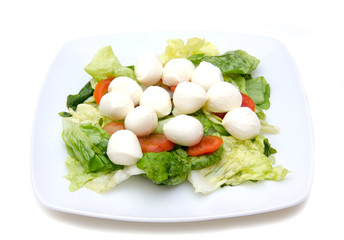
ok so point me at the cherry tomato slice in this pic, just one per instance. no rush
(207, 145)
(101, 89)
(113, 127)
(156, 142)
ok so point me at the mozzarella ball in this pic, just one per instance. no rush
(242, 123)
(176, 71)
(148, 68)
(142, 120)
(223, 97)
(124, 148)
(189, 97)
(206, 75)
(158, 99)
(127, 85)
(116, 105)
(184, 130)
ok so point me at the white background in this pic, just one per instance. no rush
(32, 32)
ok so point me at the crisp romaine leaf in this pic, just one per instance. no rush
(237, 61)
(99, 181)
(77, 175)
(87, 143)
(206, 160)
(84, 93)
(112, 179)
(177, 49)
(173, 167)
(237, 80)
(89, 113)
(165, 168)
(242, 160)
(259, 90)
(265, 127)
(210, 126)
(105, 64)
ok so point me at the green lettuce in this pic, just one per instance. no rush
(173, 167)
(165, 168)
(108, 181)
(87, 143)
(259, 91)
(237, 80)
(77, 175)
(242, 160)
(237, 61)
(98, 181)
(105, 64)
(176, 48)
(209, 123)
(206, 160)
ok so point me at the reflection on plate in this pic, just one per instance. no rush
(138, 199)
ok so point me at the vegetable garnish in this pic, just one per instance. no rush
(155, 142)
(189, 114)
(113, 127)
(101, 89)
(207, 145)
(247, 102)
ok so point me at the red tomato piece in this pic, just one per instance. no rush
(101, 89)
(247, 102)
(221, 115)
(113, 127)
(173, 88)
(207, 145)
(156, 142)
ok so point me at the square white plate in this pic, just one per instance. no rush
(138, 199)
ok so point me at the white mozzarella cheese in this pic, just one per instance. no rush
(223, 97)
(184, 130)
(116, 105)
(206, 75)
(127, 85)
(176, 71)
(242, 123)
(124, 148)
(157, 98)
(189, 97)
(148, 68)
(142, 120)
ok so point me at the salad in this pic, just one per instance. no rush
(190, 115)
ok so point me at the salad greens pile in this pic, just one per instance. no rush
(235, 162)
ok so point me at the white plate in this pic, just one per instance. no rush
(138, 199)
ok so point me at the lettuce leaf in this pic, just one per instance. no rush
(87, 143)
(237, 61)
(77, 175)
(206, 160)
(176, 48)
(259, 90)
(110, 180)
(210, 124)
(173, 167)
(105, 64)
(88, 113)
(99, 181)
(241, 161)
(165, 168)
